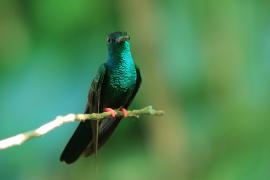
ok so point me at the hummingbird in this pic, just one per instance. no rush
(114, 87)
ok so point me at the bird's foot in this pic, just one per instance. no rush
(110, 110)
(124, 111)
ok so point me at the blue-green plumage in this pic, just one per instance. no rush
(121, 76)
(115, 86)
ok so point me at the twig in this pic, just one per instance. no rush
(60, 120)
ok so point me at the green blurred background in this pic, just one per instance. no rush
(206, 63)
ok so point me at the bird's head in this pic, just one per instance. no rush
(118, 41)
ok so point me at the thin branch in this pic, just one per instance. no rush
(60, 120)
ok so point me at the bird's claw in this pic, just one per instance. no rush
(110, 110)
(124, 111)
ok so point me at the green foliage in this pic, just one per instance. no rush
(205, 63)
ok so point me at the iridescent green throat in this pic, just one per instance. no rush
(121, 66)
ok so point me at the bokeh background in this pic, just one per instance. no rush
(205, 63)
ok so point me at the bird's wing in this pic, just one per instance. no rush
(95, 91)
(94, 106)
(86, 131)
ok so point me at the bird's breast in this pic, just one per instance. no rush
(123, 77)
(119, 84)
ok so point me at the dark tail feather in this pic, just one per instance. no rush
(105, 132)
(77, 143)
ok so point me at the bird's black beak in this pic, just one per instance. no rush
(122, 39)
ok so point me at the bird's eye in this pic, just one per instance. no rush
(109, 40)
